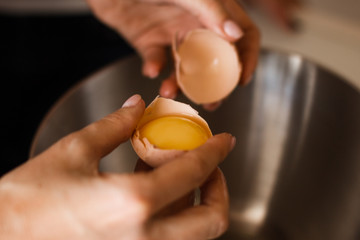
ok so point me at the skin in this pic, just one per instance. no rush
(150, 25)
(60, 194)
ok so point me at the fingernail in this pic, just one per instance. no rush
(132, 101)
(232, 143)
(151, 70)
(212, 106)
(168, 94)
(152, 73)
(232, 29)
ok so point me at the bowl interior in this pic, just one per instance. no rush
(295, 171)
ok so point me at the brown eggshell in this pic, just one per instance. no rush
(162, 107)
(207, 66)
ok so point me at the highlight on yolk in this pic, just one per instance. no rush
(173, 132)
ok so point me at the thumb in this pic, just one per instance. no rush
(213, 15)
(98, 139)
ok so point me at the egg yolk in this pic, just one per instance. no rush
(174, 132)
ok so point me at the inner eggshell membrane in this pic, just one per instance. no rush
(166, 129)
(207, 66)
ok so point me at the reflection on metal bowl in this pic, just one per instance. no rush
(295, 172)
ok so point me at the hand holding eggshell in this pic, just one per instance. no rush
(63, 189)
(150, 28)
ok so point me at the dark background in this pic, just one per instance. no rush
(40, 59)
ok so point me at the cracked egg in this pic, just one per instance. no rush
(166, 130)
(207, 66)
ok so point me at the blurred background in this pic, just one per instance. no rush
(47, 46)
(326, 31)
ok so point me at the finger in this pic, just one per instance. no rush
(169, 87)
(249, 48)
(100, 138)
(214, 191)
(250, 3)
(281, 11)
(177, 206)
(277, 11)
(142, 166)
(206, 221)
(177, 178)
(154, 59)
(212, 106)
(213, 15)
(294, 4)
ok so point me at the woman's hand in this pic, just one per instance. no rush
(60, 194)
(150, 25)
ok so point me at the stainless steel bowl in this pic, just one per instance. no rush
(295, 171)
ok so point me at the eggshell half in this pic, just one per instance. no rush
(207, 66)
(162, 107)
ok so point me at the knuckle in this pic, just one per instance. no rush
(130, 194)
(74, 145)
(125, 122)
(143, 206)
(201, 166)
(221, 223)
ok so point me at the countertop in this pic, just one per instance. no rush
(328, 37)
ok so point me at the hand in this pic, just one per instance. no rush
(60, 194)
(150, 25)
